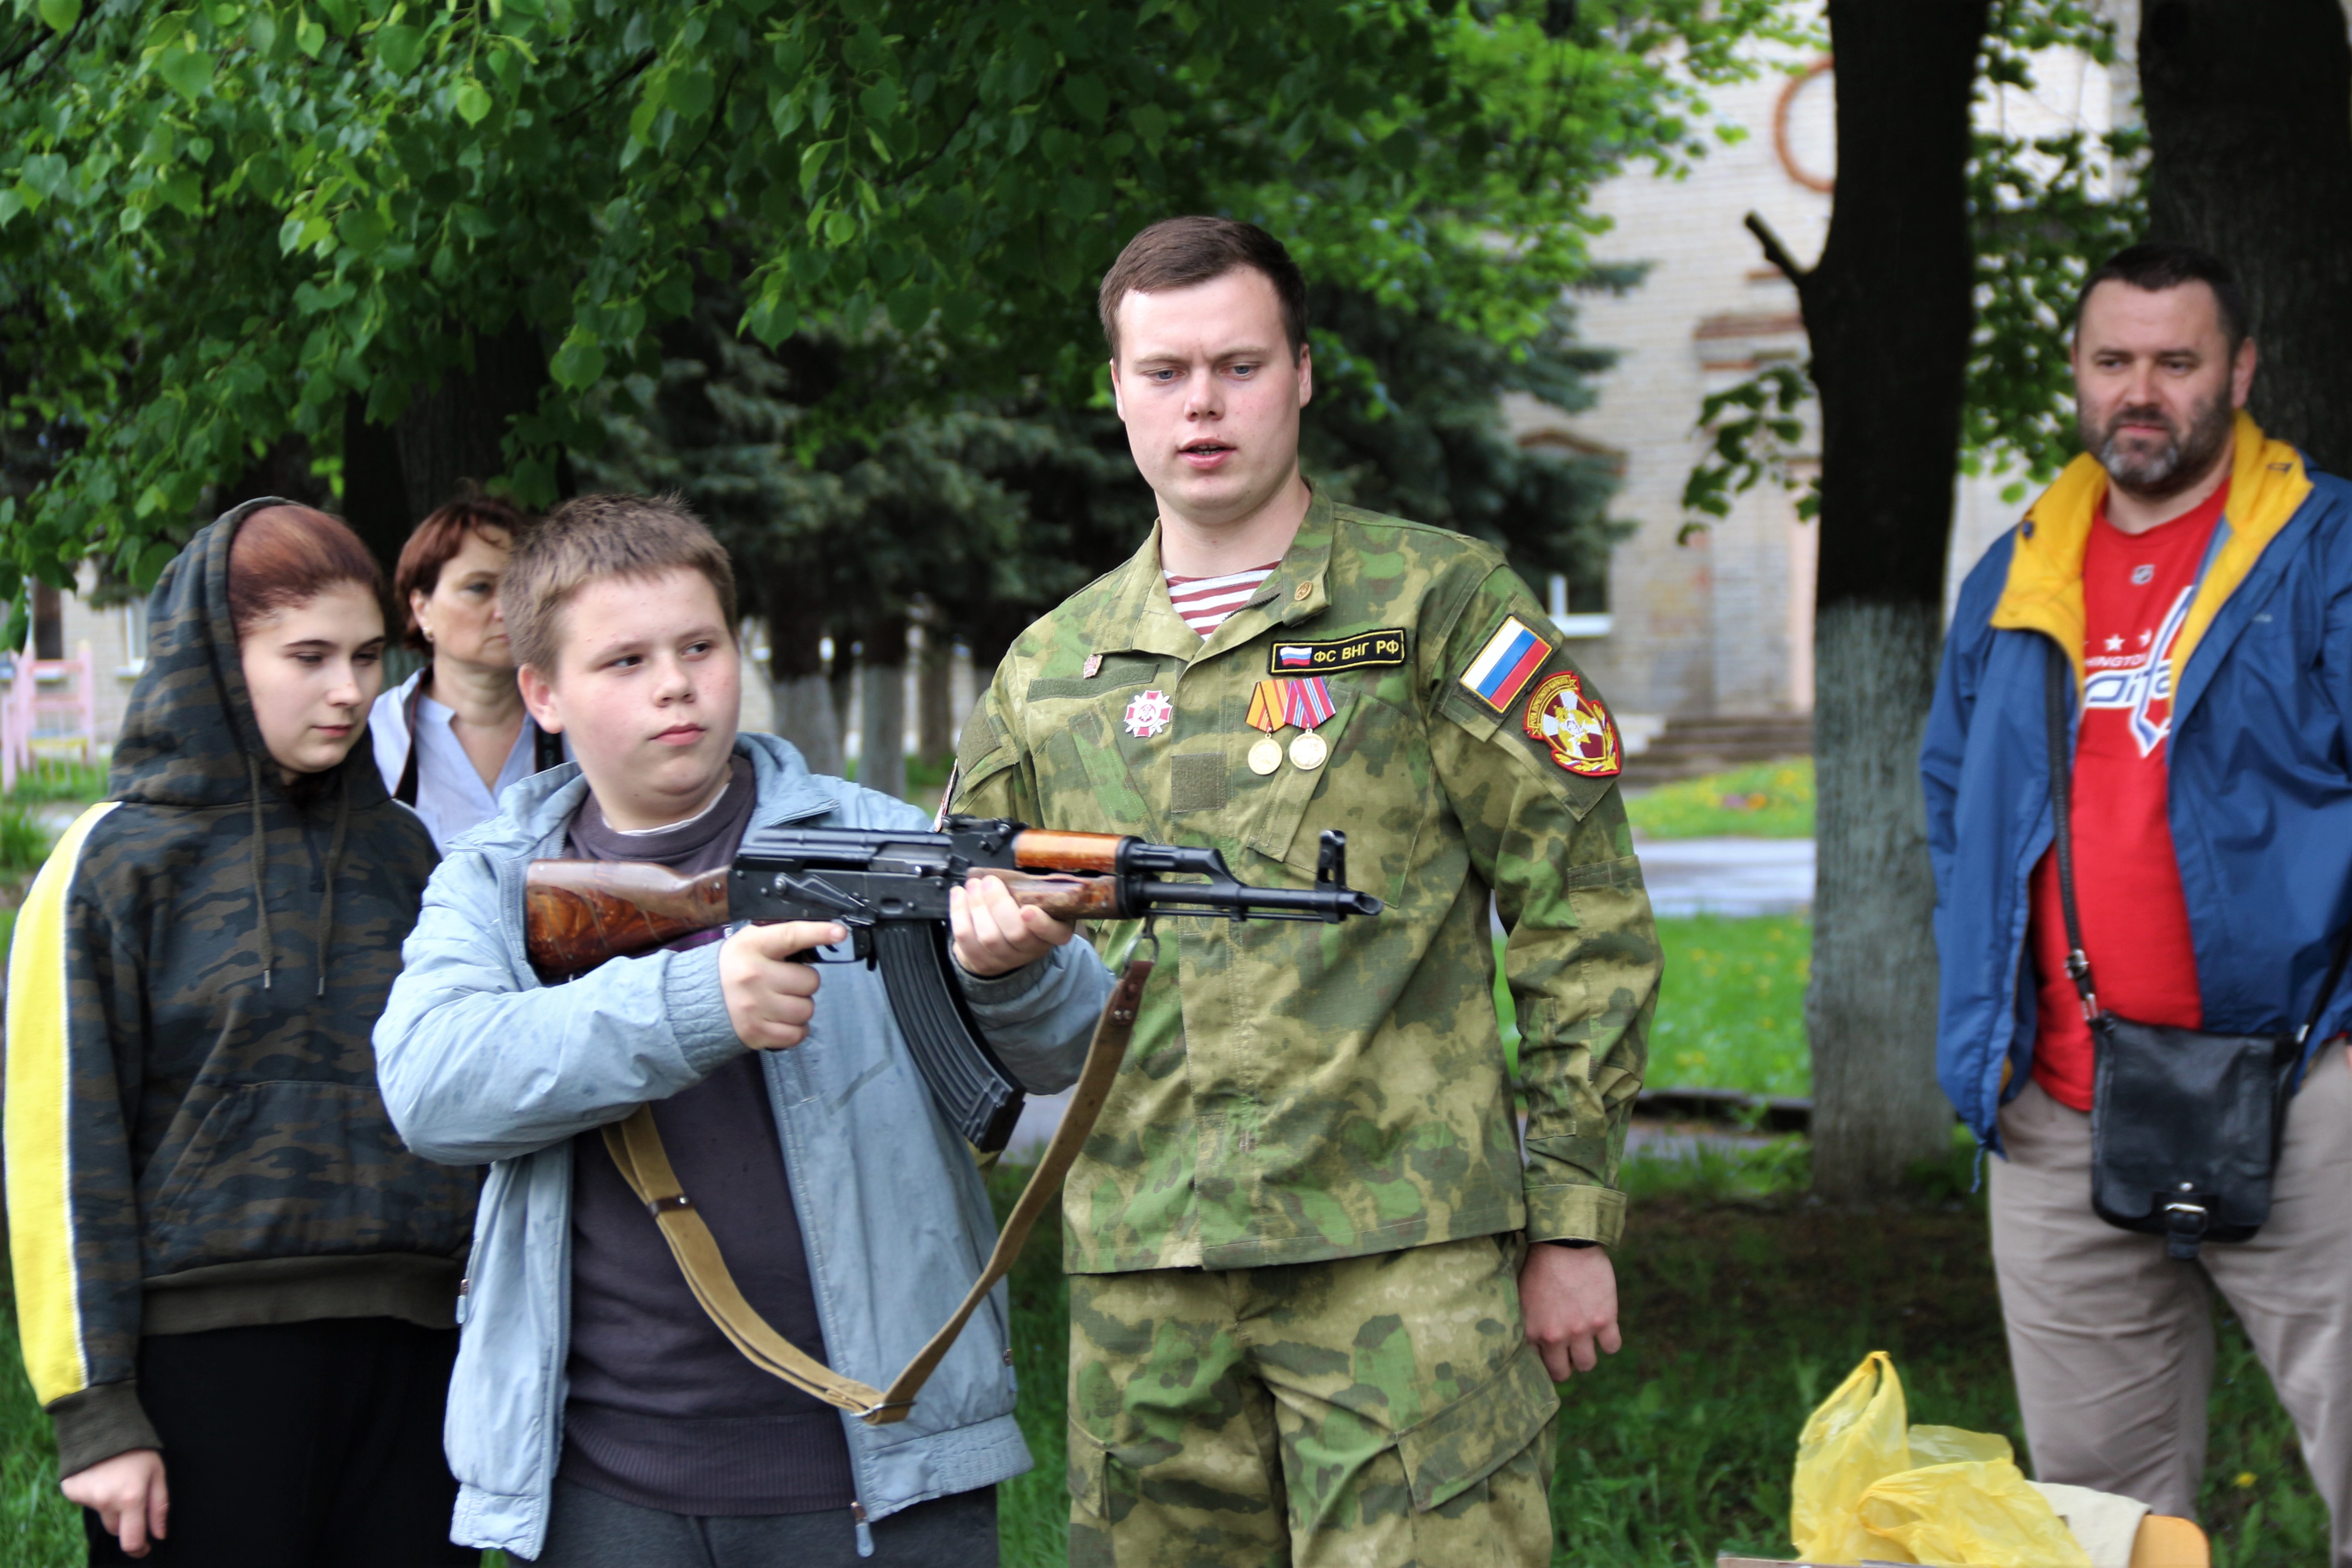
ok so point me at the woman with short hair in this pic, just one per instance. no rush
(236, 1289)
(452, 737)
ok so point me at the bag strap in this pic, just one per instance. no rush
(636, 1145)
(2059, 678)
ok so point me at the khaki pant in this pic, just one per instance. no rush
(1375, 1412)
(2112, 1341)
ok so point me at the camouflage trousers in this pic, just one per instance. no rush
(1380, 1411)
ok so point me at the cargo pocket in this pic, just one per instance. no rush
(1099, 1483)
(1478, 1433)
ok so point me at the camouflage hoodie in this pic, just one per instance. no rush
(192, 1131)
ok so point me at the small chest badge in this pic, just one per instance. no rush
(1577, 728)
(1149, 713)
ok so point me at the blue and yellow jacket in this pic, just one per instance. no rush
(2261, 805)
(193, 1135)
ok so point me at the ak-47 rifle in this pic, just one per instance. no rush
(890, 891)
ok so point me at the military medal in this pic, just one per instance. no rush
(1307, 703)
(1266, 714)
(1092, 668)
(1149, 713)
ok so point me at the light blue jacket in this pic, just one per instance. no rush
(479, 1062)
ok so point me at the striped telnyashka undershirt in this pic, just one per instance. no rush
(1205, 602)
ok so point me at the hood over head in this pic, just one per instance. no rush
(189, 737)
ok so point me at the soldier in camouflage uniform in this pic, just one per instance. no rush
(223, 1254)
(1319, 1301)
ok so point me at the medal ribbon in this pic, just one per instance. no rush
(1308, 702)
(1266, 708)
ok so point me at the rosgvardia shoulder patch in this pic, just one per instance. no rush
(1573, 723)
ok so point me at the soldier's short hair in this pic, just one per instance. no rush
(2159, 263)
(1178, 252)
(589, 539)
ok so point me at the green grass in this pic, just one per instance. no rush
(1763, 800)
(1731, 1008)
(1743, 1306)
(1741, 1312)
(56, 781)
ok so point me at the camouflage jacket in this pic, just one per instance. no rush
(192, 1131)
(1300, 1091)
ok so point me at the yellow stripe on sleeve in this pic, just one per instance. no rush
(38, 1128)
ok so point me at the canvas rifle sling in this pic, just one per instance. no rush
(637, 1148)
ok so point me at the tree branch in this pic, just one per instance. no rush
(1774, 251)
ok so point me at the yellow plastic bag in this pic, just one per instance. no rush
(1856, 1439)
(1982, 1514)
(1869, 1485)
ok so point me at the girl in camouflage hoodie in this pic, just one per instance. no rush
(228, 1270)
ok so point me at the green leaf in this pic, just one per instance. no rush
(308, 36)
(189, 72)
(1088, 97)
(773, 320)
(263, 30)
(11, 204)
(400, 48)
(61, 15)
(158, 554)
(363, 230)
(1150, 123)
(472, 102)
(579, 364)
(690, 92)
(185, 191)
(45, 174)
(337, 12)
(841, 228)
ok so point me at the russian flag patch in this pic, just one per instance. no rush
(1506, 664)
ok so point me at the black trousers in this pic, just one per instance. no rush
(588, 1530)
(310, 1445)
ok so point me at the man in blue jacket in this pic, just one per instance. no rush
(2198, 575)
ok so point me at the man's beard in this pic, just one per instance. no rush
(2173, 467)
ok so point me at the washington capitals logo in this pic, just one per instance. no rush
(2143, 690)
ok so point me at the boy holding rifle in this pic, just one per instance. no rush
(598, 1414)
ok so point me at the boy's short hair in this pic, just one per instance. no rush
(1178, 252)
(589, 539)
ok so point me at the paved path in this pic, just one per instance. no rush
(1739, 877)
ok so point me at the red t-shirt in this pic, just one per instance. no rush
(2136, 594)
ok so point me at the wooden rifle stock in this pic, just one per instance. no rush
(579, 913)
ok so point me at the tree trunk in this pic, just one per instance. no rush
(935, 713)
(452, 431)
(882, 703)
(1888, 310)
(802, 696)
(2249, 106)
(376, 497)
(841, 680)
(455, 430)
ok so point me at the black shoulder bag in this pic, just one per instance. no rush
(2185, 1126)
